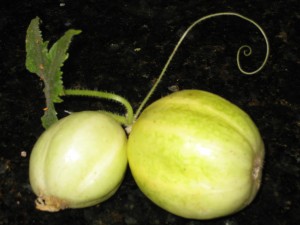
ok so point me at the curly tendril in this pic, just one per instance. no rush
(245, 49)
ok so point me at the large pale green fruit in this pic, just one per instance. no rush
(78, 162)
(196, 155)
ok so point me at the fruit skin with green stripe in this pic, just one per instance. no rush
(78, 161)
(196, 155)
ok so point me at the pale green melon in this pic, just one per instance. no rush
(196, 155)
(78, 162)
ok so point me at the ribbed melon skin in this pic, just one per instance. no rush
(196, 155)
(78, 162)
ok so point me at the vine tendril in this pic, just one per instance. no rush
(245, 49)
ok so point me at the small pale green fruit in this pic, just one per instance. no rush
(79, 161)
(196, 155)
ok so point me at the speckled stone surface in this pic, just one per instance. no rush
(105, 57)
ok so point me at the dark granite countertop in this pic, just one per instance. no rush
(105, 57)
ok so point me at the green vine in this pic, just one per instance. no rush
(247, 51)
(47, 63)
(126, 120)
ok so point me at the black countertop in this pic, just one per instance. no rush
(122, 49)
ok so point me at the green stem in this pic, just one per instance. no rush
(126, 120)
(246, 51)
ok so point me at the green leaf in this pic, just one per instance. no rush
(56, 56)
(47, 65)
(36, 49)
